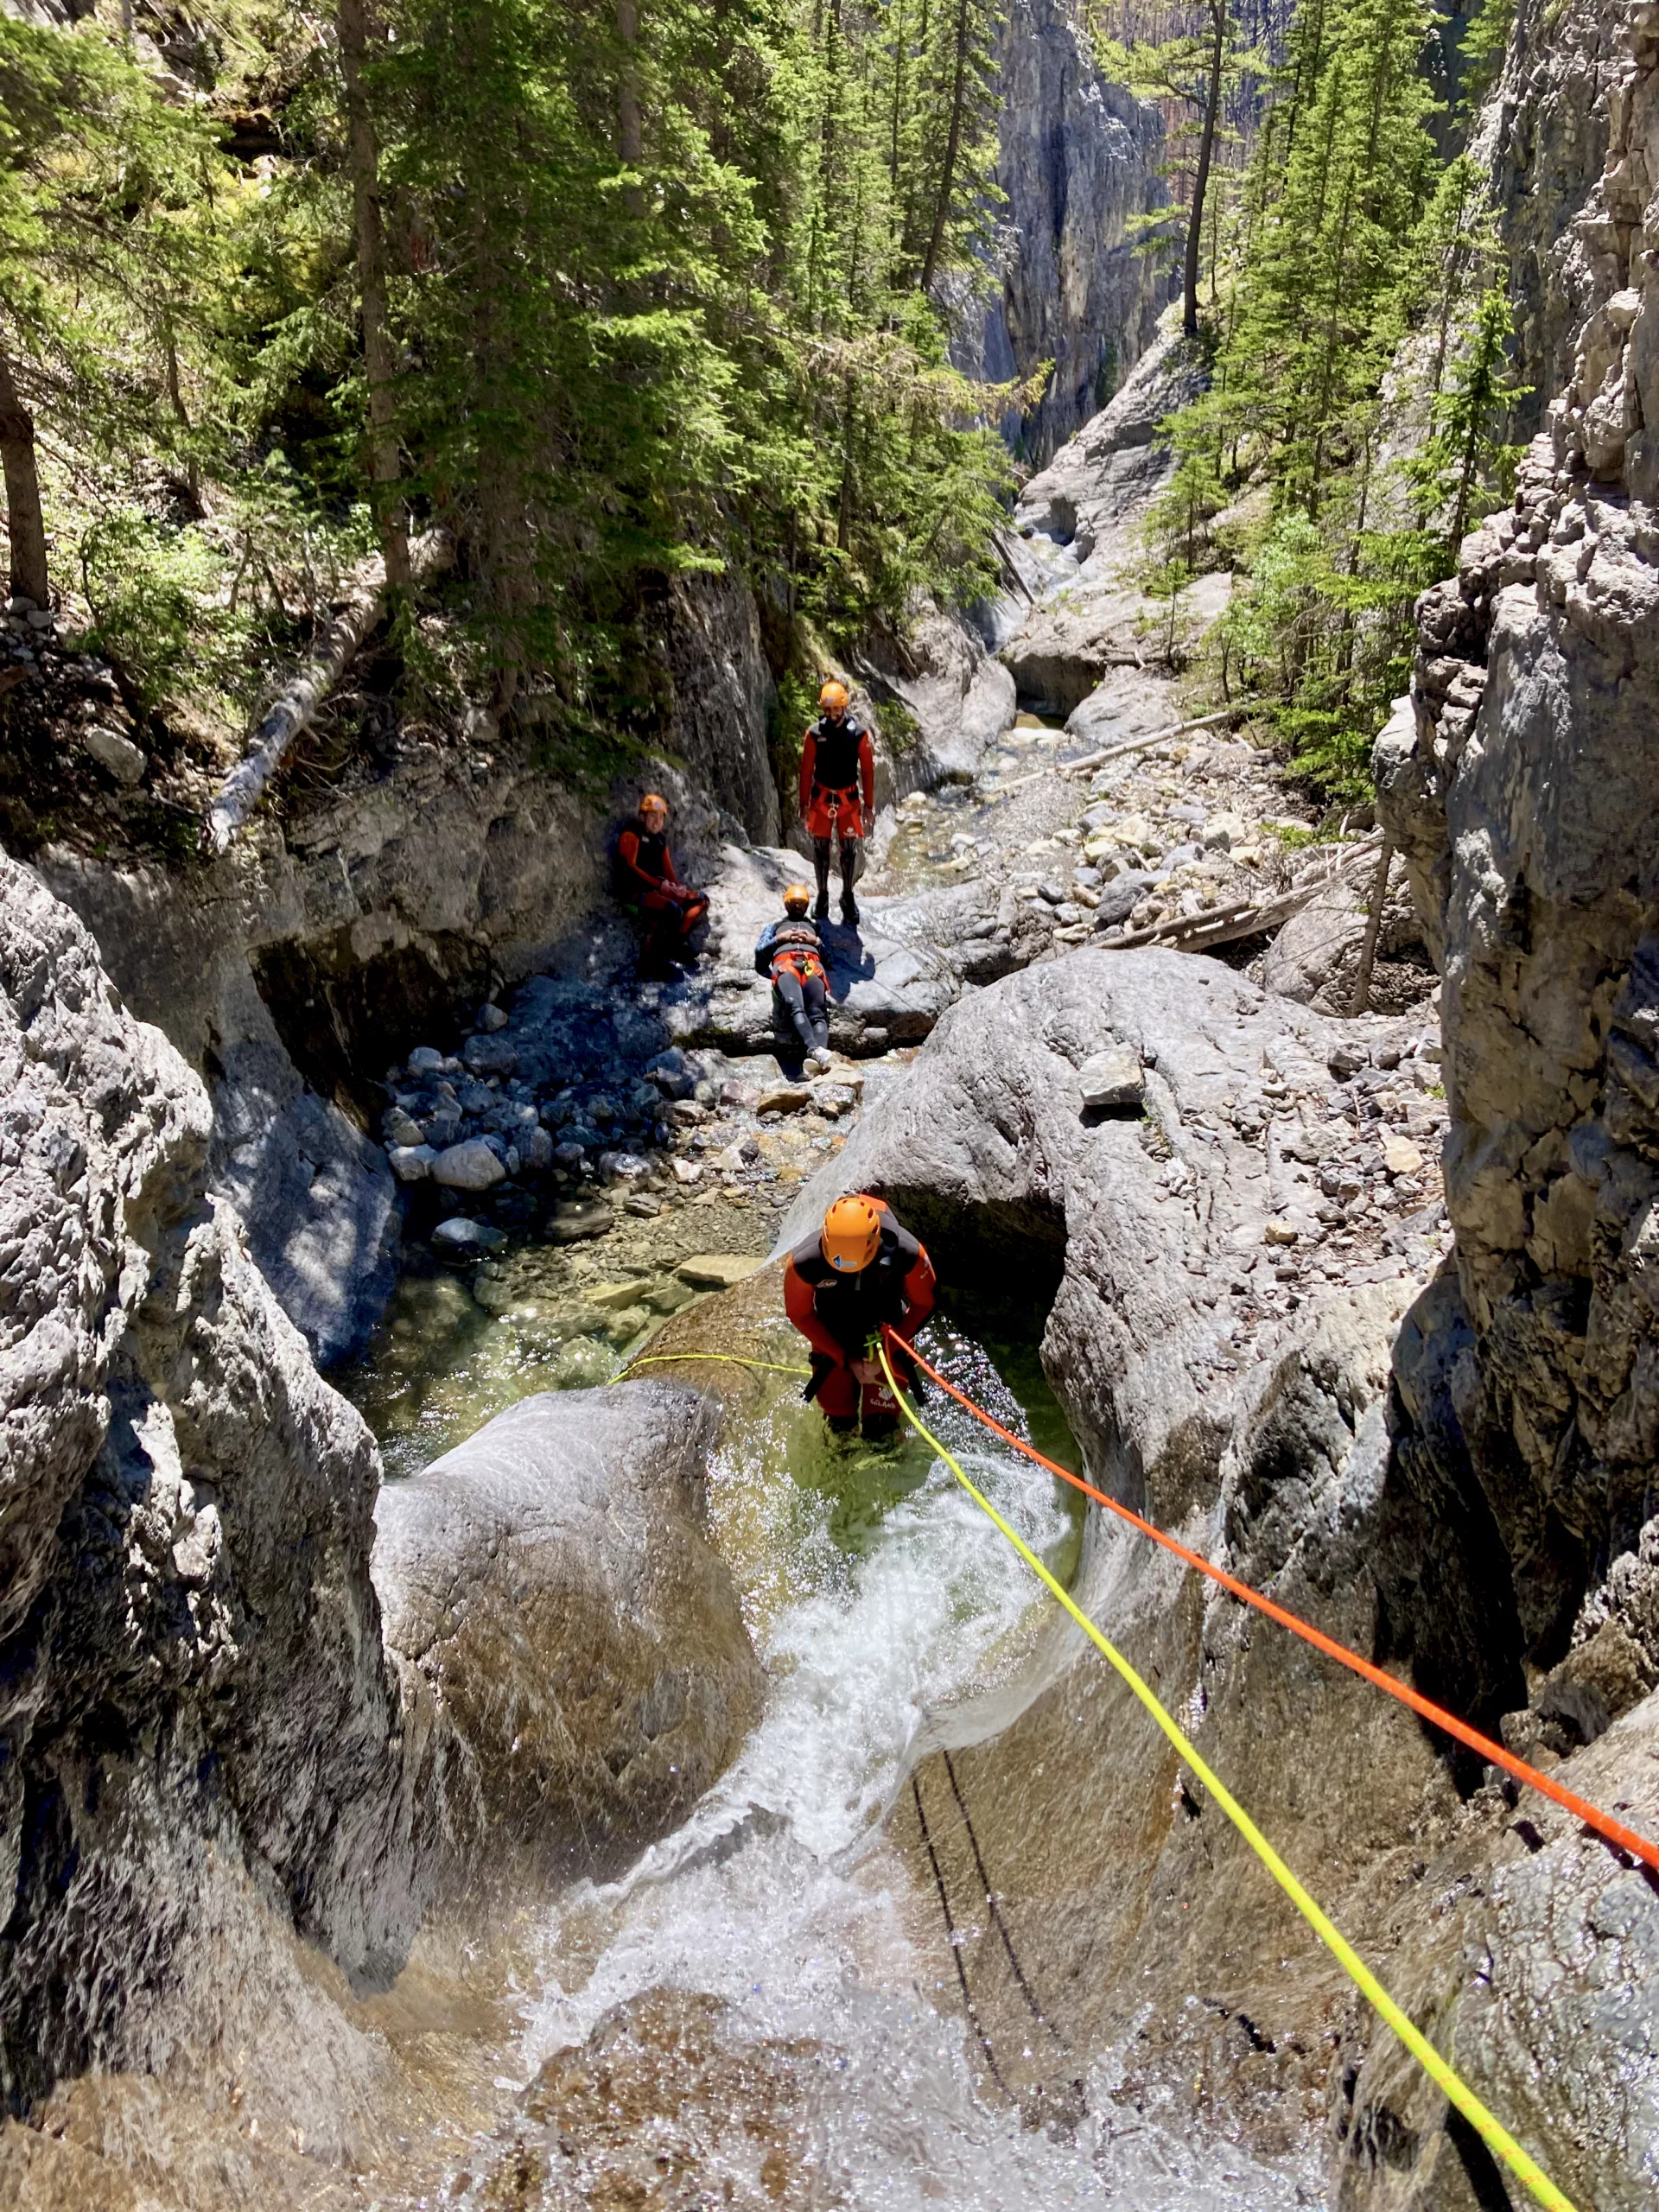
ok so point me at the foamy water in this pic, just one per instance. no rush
(781, 1894)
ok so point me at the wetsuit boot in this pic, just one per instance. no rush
(849, 876)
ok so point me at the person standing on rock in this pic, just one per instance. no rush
(837, 795)
(790, 954)
(861, 1274)
(647, 878)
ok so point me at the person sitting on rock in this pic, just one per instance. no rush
(862, 1274)
(790, 954)
(837, 795)
(647, 878)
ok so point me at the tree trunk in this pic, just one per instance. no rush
(384, 466)
(630, 136)
(952, 144)
(25, 524)
(1201, 181)
(295, 705)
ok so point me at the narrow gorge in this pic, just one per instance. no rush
(473, 1735)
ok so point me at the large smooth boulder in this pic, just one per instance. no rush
(551, 1583)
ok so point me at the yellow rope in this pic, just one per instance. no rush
(723, 1359)
(1491, 2130)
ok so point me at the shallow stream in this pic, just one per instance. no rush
(828, 2059)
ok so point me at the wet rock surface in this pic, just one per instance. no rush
(550, 1582)
(662, 2107)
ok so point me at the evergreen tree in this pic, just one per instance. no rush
(1358, 250)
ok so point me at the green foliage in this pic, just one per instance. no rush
(1466, 469)
(159, 609)
(1359, 249)
(1481, 50)
(901, 727)
(666, 296)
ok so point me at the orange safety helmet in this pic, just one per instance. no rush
(654, 803)
(852, 1233)
(835, 698)
(797, 897)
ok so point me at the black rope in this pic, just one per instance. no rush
(995, 1911)
(955, 1947)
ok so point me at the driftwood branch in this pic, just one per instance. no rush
(296, 706)
(1153, 737)
(1227, 925)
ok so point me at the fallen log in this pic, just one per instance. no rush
(1153, 737)
(295, 705)
(1227, 925)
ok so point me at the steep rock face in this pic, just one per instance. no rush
(1079, 160)
(1542, 140)
(1518, 779)
(199, 1723)
(550, 1582)
(1519, 783)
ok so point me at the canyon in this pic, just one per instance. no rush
(470, 1739)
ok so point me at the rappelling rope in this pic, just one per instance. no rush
(1611, 1831)
(1491, 2130)
(721, 1358)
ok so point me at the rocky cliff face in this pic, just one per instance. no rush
(1542, 140)
(1520, 783)
(201, 1732)
(1079, 160)
(1519, 780)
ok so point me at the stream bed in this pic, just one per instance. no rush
(764, 2009)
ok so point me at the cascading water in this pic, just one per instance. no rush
(882, 1604)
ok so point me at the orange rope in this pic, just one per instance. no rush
(1611, 1831)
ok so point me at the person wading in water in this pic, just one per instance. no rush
(837, 795)
(860, 1272)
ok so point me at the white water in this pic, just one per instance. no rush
(781, 1894)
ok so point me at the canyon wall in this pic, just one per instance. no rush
(1519, 781)
(201, 1734)
(1079, 160)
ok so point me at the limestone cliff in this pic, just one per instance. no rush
(199, 1724)
(1519, 780)
(1520, 783)
(1079, 159)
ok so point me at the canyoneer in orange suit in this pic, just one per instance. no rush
(837, 795)
(647, 877)
(862, 1272)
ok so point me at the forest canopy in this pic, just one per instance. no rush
(615, 291)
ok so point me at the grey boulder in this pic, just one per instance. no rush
(551, 1583)
(474, 1165)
